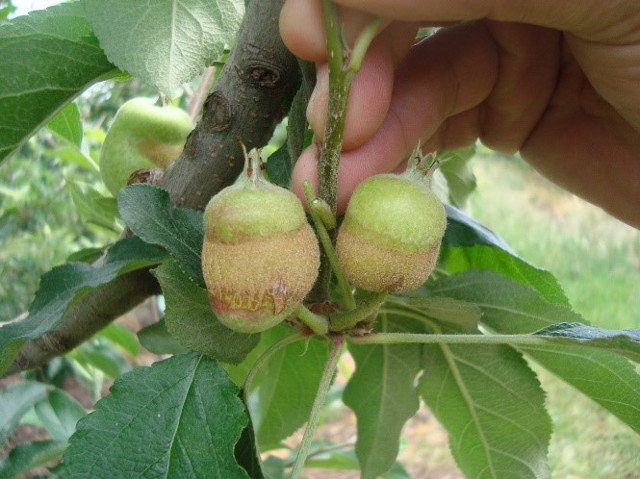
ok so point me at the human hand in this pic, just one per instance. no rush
(557, 81)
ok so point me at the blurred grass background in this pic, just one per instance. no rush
(596, 258)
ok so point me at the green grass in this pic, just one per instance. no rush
(597, 261)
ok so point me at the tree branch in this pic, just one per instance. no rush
(252, 94)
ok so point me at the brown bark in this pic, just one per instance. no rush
(253, 93)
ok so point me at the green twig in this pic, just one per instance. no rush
(318, 403)
(343, 65)
(339, 84)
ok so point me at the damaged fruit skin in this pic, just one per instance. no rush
(390, 238)
(260, 257)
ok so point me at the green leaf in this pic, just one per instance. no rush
(93, 207)
(67, 124)
(191, 321)
(492, 406)
(64, 285)
(59, 414)
(383, 395)
(180, 417)
(279, 166)
(624, 342)
(85, 255)
(48, 58)
(121, 335)
(148, 212)
(509, 307)
(15, 401)
(490, 258)
(298, 132)
(463, 230)
(156, 339)
(345, 460)
(274, 467)
(460, 178)
(287, 385)
(27, 456)
(453, 314)
(247, 454)
(101, 356)
(70, 153)
(468, 245)
(164, 42)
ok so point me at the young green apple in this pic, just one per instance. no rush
(260, 257)
(142, 135)
(390, 237)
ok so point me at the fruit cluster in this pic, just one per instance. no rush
(260, 256)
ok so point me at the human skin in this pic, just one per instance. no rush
(557, 81)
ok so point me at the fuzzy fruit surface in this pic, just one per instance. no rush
(390, 237)
(260, 257)
(142, 135)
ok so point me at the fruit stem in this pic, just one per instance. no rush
(327, 245)
(347, 320)
(318, 403)
(317, 323)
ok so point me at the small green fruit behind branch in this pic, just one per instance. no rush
(392, 229)
(260, 257)
(142, 135)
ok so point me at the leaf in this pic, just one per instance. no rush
(345, 460)
(156, 339)
(48, 58)
(27, 456)
(279, 166)
(86, 255)
(64, 285)
(492, 406)
(463, 230)
(460, 178)
(247, 454)
(102, 357)
(67, 124)
(287, 385)
(181, 417)
(383, 395)
(164, 42)
(59, 414)
(454, 314)
(191, 321)
(70, 153)
(15, 401)
(468, 245)
(509, 307)
(624, 342)
(148, 212)
(121, 335)
(93, 207)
